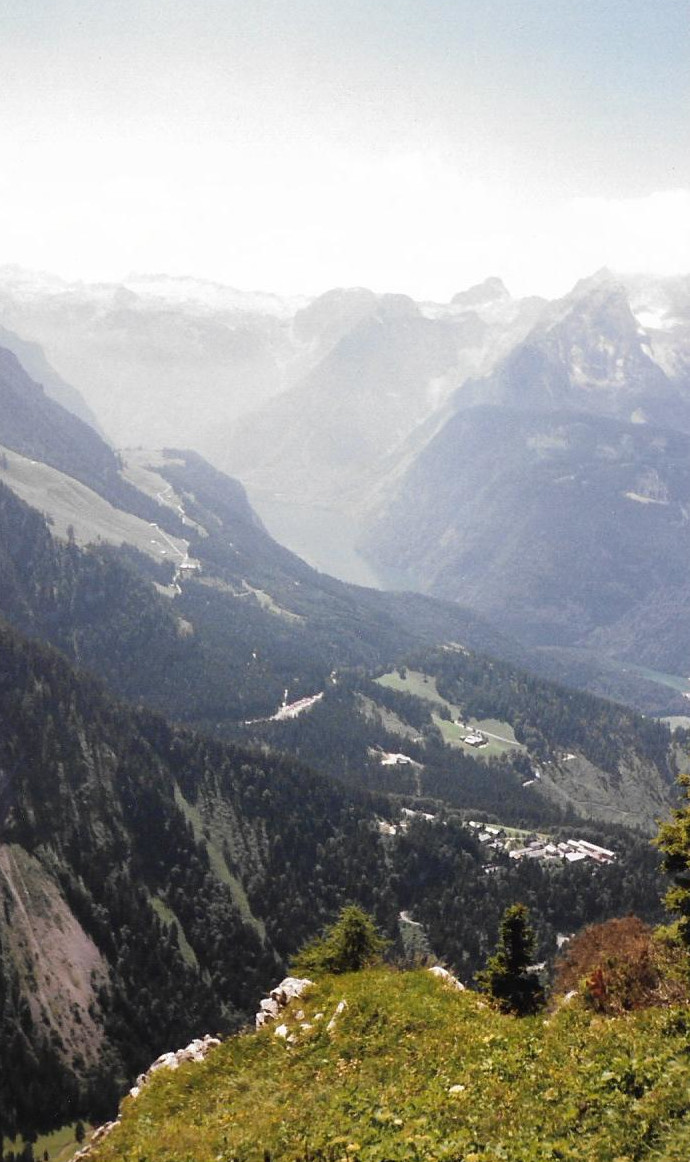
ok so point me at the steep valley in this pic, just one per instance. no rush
(169, 837)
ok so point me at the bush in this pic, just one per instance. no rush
(623, 965)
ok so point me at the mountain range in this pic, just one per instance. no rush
(208, 747)
(523, 458)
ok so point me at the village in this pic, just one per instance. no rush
(539, 847)
(518, 845)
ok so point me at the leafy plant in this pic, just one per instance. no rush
(623, 965)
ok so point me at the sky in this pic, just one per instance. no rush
(416, 146)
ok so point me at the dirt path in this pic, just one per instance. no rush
(499, 737)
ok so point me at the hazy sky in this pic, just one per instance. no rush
(408, 145)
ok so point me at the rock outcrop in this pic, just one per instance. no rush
(271, 1006)
(196, 1051)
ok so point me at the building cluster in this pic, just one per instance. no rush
(541, 848)
(407, 814)
(570, 850)
(475, 738)
(493, 837)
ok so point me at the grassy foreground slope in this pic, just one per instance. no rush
(415, 1070)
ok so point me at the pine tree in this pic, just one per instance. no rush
(350, 944)
(674, 841)
(507, 977)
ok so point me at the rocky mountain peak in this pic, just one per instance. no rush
(491, 290)
(334, 312)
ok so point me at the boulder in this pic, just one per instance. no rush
(447, 977)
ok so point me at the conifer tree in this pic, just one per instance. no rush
(507, 977)
(348, 945)
(674, 841)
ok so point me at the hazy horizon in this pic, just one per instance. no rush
(415, 147)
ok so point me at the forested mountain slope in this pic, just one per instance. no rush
(103, 847)
(231, 637)
(180, 872)
(546, 755)
(373, 378)
(214, 623)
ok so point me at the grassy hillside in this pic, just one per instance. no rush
(414, 1070)
(223, 645)
(70, 505)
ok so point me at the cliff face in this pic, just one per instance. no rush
(60, 968)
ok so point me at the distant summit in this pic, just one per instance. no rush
(492, 290)
(601, 278)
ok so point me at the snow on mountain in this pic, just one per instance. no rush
(215, 296)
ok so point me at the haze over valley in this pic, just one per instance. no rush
(344, 591)
(489, 451)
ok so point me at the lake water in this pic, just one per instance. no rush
(323, 537)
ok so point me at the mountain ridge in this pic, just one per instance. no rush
(566, 466)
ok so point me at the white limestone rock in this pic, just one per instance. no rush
(447, 977)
